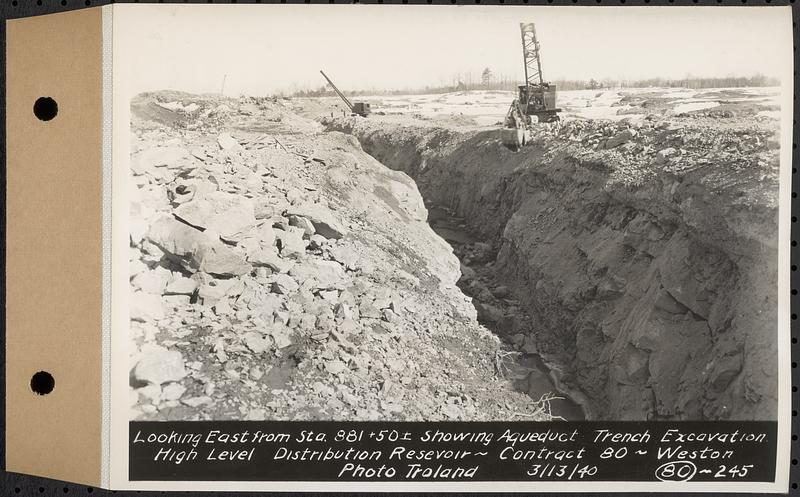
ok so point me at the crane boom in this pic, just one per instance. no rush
(530, 52)
(341, 95)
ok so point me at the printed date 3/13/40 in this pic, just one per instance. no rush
(561, 471)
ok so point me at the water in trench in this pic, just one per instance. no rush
(498, 311)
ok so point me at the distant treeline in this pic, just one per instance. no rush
(509, 84)
(694, 83)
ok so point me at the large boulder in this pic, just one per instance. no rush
(621, 138)
(149, 159)
(227, 142)
(291, 241)
(159, 365)
(323, 220)
(346, 256)
(219, 260)
(146, 307)
(284, 284)
(195, 250)
(220, 212)
(268, 257)
(324, 275)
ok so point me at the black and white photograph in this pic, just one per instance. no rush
(346, 247)
(486, 215)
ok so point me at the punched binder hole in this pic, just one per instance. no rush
(42, 383)
(45, 108)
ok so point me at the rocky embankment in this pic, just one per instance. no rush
(280, 272)
(644, 254)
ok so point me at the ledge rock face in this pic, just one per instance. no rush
(652, 273)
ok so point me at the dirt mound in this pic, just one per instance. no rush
(645, 255)
(282, 273)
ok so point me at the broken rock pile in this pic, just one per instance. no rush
(291, 276)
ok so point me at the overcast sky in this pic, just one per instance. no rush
(260, 49)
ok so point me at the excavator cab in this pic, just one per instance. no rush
(539, 101)
(361, 108)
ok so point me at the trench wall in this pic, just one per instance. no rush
(658, 301)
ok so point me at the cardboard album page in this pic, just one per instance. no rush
(54, 267)
(396, 248)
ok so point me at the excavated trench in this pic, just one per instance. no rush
(498, 311)
(652, 302)
(529, 370)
